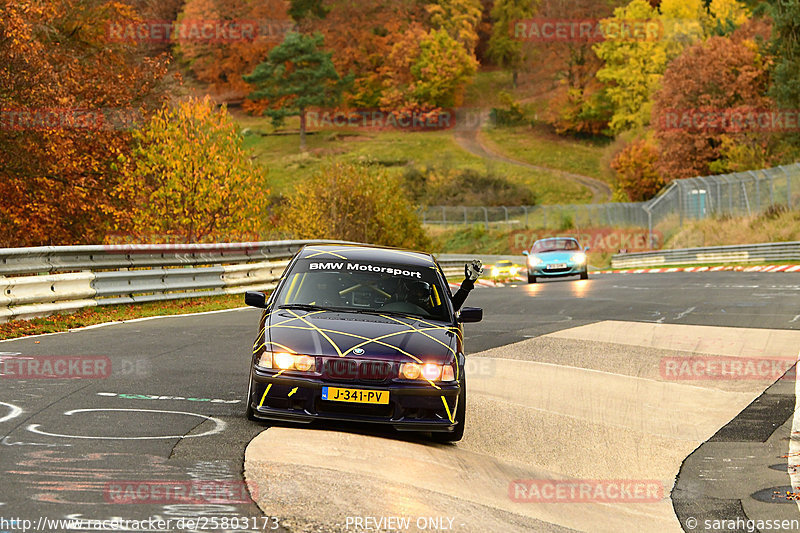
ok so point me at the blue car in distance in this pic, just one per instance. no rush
(556, 257)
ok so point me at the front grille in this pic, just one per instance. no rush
(349, 369)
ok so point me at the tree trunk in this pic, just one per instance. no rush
(303, 130)
(515, 78)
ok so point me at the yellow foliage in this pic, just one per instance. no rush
(354, 203)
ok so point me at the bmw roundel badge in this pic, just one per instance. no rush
(358, 351)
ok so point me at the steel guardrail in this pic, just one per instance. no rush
(744, 253)
(43, 280)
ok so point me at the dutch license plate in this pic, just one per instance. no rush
(336, 394)
(558, 265)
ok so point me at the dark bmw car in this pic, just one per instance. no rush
(363, 334)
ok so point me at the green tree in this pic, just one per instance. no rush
(505, 48)
(355, 203)
(189, 177)
(785, 45)
(297, 75)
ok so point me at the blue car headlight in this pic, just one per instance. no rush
(533, 260)
(579, 258)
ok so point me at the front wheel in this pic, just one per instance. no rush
(585, 274)
(531, 279)
(460, 419)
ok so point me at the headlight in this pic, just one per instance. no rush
(495, 272)
(287, 361)
(579, 258)
(427, 371)
(533, 260)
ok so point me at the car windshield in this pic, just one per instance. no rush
(503, 263)
(364, 287)
(555, 245)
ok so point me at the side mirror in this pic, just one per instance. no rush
(586, 249)
(471, 314)
(524, 252)
(255, 299)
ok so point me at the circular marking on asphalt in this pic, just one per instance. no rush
(14, 413)
(219, 426)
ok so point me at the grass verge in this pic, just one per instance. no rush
(547, 150)
(115, 313)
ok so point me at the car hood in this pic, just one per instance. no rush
(382, 337)
(557, 257)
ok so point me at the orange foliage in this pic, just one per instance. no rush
(223, 62)
(55, 156)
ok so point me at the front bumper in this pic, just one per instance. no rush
(411, 407)
(543, 270)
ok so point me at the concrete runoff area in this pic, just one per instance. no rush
(592, 405)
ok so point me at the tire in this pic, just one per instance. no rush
(531, 279)
(585, 274)
(249, 413)
(461, 415)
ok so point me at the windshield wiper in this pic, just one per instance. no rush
(304, 307)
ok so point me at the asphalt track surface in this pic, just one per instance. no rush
(567, 385)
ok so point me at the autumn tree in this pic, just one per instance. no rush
(633, 67)
(567, 70)
(188, 177)
(69, 96)
(296, 76)
(635, 170)
(244, 33)
(707, 83)
(355, 203)
(426, 70)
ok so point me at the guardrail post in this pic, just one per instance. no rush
(505, 209)
(525, 207)
(486, 217)
(444, 216)
(465, 216)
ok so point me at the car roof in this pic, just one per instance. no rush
(353, 252)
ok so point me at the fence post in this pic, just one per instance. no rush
(444, 216)
(525, 207)
(788, 187)
(486, 217)
(505, 209)
(465, 215)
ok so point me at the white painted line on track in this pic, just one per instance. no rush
(219, 426)
(15, 411)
